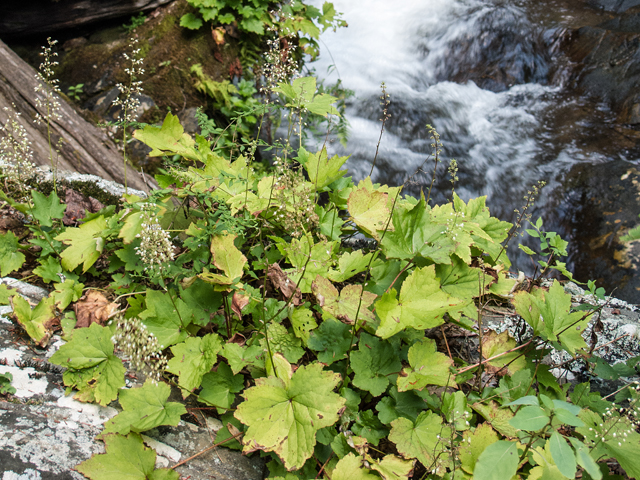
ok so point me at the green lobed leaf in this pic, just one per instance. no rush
(92, 367)
(126, 459)
(285, 412)
(331, 340)
(67, 292)
(166, 317)
(240, 356)
(399, 404)
(10, 257)
(494, 344)
(420, 305)
(415, 233)
(426, 439)
(46, 209)
(322, 170)
(281, 341)
(145, 408)
(498, 461)
(168, 139)
(350, 264)
(303, 323)
(428, 367)
(192, 359)
(497, 417)
(219, 387)
(375, 364)
(85, 244)
(368, 426)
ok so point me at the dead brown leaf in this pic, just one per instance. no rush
(281, 281)
(218, 35)
(239, 302)
(93, 307)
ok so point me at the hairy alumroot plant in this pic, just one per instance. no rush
(294, 199)
(47, 100)
(16, 155)
(142, 348)
(280, 65)
(156, 249)
(129, 98)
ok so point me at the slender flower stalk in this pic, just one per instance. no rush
(49, 87)
(129, 96)
(16, 154)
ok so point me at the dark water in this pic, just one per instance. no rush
(493, 79)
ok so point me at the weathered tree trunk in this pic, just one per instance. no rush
(46, 16)
(82, 147)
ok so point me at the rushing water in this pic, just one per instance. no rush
(489, 77)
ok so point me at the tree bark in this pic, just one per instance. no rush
(46, 16)
(77, 145)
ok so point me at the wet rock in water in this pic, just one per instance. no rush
(605, 52)
(510, 50)
(45, 17)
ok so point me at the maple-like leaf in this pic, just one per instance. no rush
(322, 170)
(428, 367)
(284, 413)
(374, 364)
(10, 257)
(228, 258)
(421, 304)
(426, 439)
(352, 302)
(85, 244)
(351, 467)
(38, 322)
(45, 209)
(166, 317)
(368, 209)
(126, 459)
(92, 367)
(168, 139)
(145, 408)
(192, 359)
(549, 315)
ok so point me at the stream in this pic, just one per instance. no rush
(492, 77)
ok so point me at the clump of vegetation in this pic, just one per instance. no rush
(240, 287)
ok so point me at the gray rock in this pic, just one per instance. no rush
(44, 433)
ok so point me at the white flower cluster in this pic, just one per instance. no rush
(155, 249)
(141, 346)
(15, 152)
(48, 85)
(280, 66)
(128, 97)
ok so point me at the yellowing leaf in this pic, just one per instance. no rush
(169, 139)
(226, 257)
(352, 302)
(37, 322)
(351, 467)
(85, 244)
(428, 367)
(421, 304)
(285, 412)
(368, 209)
(392, 467)
(495, 344)
(497, 417)
(473, 445)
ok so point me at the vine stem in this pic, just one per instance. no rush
(232, 437)
(471, 367)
